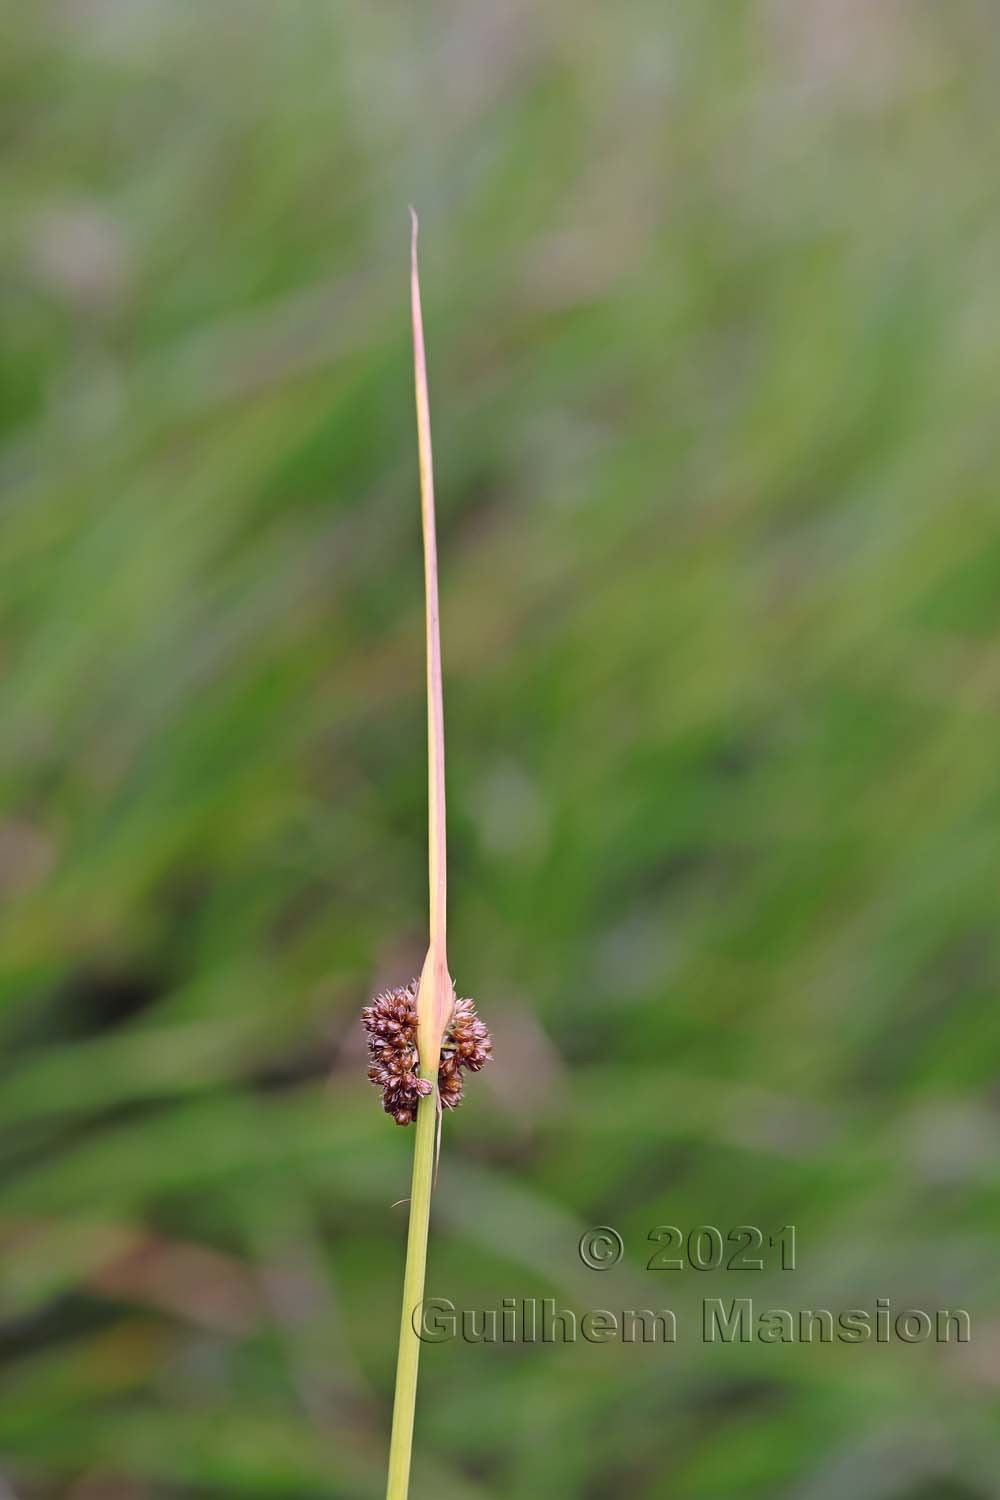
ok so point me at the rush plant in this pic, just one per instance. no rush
(421, 1037)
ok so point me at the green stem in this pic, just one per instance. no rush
(435, 993)
(404, 1403)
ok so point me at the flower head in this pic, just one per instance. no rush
(391, 1024)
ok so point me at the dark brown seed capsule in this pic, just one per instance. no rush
(391, 1023)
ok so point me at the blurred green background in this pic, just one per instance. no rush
(711, 303)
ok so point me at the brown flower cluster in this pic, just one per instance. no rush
(466, 1044)
(391, 1024)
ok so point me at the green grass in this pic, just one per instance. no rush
(711, 310)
